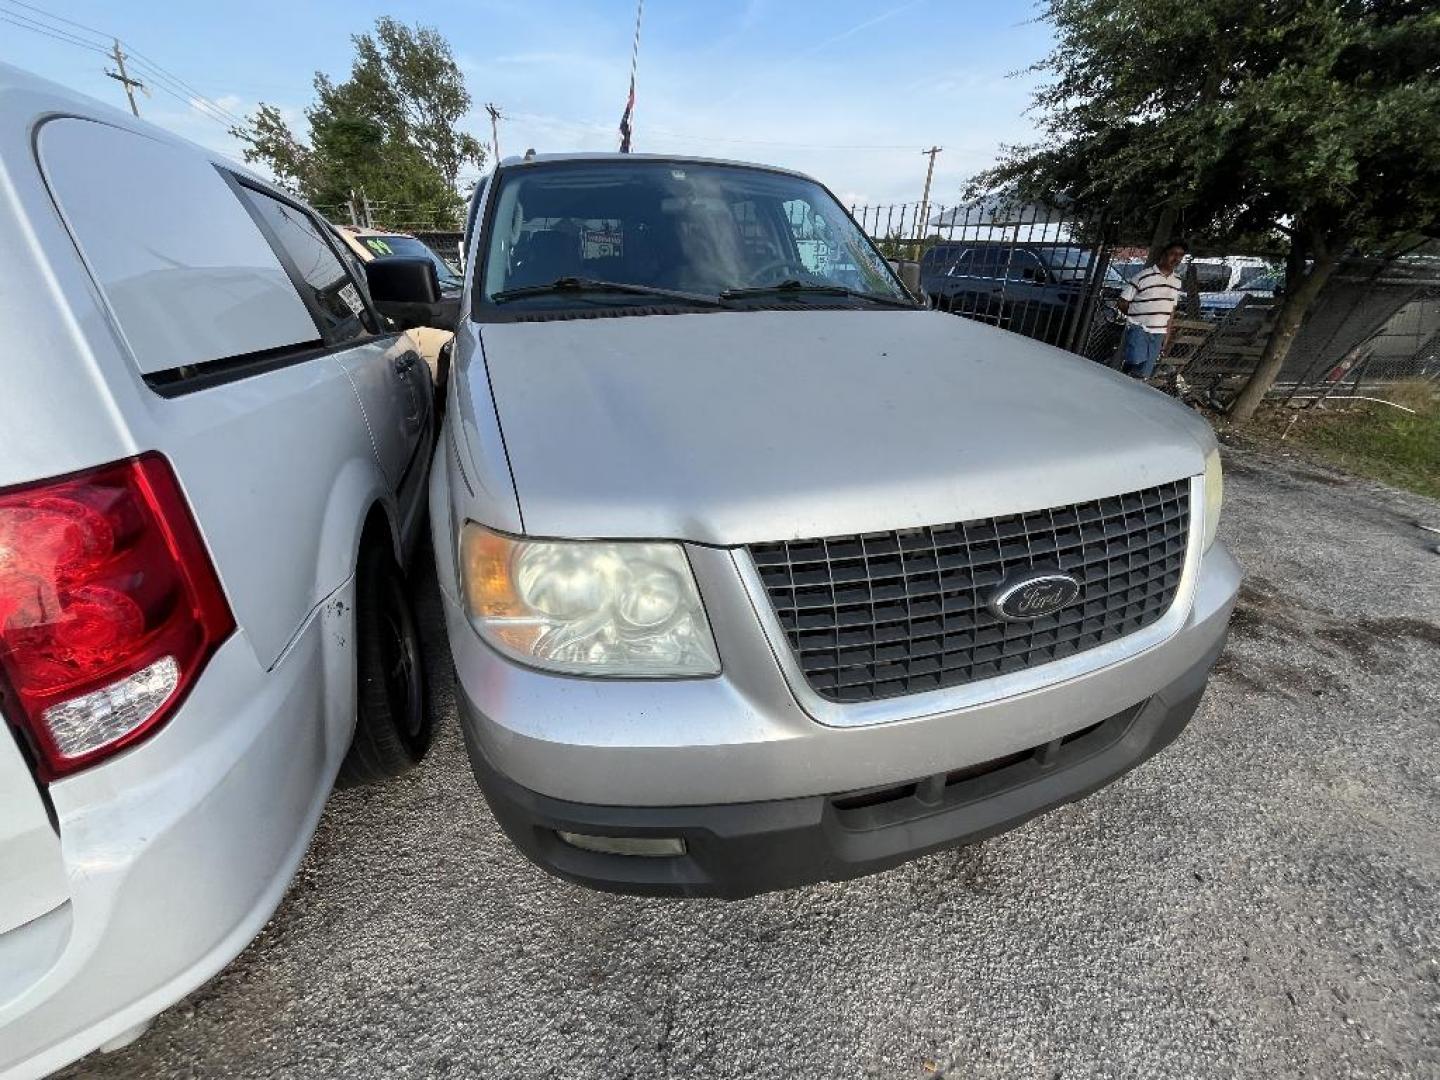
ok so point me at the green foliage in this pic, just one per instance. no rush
(1311, 118)
(389, 129)
(1244, 115)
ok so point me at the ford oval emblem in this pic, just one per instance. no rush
(1034, 595)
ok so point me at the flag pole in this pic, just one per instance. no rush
(627, 120)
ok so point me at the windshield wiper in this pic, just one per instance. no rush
(594, 285)
(791, 285)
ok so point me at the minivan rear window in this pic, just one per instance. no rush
(186, 273)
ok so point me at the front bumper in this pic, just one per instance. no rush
(740, 757)
(177, 851)
(742, 849)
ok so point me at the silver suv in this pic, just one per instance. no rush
(758, 573)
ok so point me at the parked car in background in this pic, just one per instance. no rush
(1216, 305)
(370, 244)
(214, 466)
(1127, 268)
(1229, 273)
(757, 573)
(1033, 289)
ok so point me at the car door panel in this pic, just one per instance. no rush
(396, 395)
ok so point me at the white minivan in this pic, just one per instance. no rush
(213, 460)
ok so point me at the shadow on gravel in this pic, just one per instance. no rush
(1314, 637)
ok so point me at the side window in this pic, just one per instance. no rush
(940, 258)
(327, 287)
(990, 262)
(351, 261)
(1248, 274)
(1026, 266)
(962, 266)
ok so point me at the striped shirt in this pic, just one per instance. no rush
(1152, 296)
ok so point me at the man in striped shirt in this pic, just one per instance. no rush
(1147, 302)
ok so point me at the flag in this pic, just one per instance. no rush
(625, 119)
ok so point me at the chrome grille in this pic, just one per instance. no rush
(879, 615)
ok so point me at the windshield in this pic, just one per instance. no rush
(381, 246)
(679, 226)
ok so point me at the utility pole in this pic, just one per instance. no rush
(350, 203)
(495, 118)
(365, 202)
(925, 198)
(123, 78)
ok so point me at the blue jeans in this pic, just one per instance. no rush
(1139, 349)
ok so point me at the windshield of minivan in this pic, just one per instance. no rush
(683, 228)
(390, 244)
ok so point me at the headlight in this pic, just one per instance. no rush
(1214, 496)
(587, 607)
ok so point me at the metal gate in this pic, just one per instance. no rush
(1025, 266)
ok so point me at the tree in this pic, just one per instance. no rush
(1311, 118)
(390, 128)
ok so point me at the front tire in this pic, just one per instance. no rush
(393, 722)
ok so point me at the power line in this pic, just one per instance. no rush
(146, 62)
(58, 18)
(177, 87)
(197, 101)
(13, 17)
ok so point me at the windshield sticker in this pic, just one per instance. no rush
(378, 246)
(601, 243)
(351, 296)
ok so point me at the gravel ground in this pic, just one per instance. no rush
(1263, 899)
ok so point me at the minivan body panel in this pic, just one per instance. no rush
(126, 885)
(265, 523)
(31, 868)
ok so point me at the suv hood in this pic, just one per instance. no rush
(736, 427)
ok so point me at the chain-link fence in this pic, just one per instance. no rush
(444, 242)
(1376, 322)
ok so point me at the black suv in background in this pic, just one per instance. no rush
(1031, 288)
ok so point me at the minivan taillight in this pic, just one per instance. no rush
(109, 609)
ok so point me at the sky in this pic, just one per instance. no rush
(848, 91)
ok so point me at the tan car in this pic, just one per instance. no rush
(368, 244)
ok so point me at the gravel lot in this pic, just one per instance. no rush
(1263, 899)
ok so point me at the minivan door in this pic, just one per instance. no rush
(391, 381)
(395, 391)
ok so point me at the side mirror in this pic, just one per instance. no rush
(406, 289)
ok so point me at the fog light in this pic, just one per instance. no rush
(654, 847)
